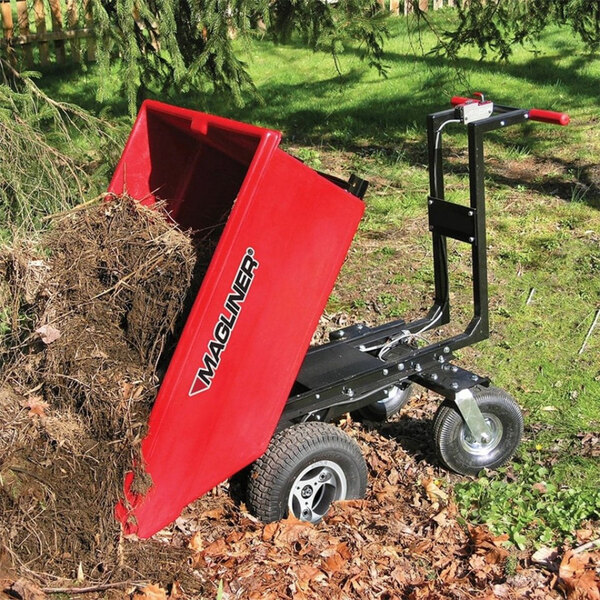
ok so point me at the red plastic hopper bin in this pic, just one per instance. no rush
(287, 233)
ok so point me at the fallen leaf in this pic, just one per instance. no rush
(502, 591)
(545, 556)
(27, 590)
(36, 406)
(176, 591)
(126, 389)
(387, 493)
(269, 531)
(488, 545)
(584, 535)
(572, 565)
(218, 548)
(292, 530)
(448, 575)
(343, 550)
(434, 493)
(441, 518)
(333, 563)
(48, 334)
(399, 575)
(151, 592)
(481, 536)
(197, 542)
(307, 573)
(576, 580)
(587, 587)
(235, 536)
(216, 513)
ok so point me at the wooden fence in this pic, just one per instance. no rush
(35, 29)
(406, 7)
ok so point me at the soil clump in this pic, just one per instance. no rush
(95, 308)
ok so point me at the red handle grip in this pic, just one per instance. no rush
(535, 114)
(456, 100)
(549, 116)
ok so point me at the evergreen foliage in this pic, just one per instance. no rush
(497, 25)
(45, 170)
(166, 44)
(160, 45)
(179, 44)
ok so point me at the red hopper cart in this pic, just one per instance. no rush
(241, 393)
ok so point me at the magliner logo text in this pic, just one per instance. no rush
(226, 323)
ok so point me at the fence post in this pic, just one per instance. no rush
(89, 22)
(8, 27)
(59, 45)
(23, 23)
(72, 20)
(40, 29)
(395, 7)
(424, 5)
(7, 19)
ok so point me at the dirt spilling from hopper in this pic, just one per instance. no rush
(94, 312)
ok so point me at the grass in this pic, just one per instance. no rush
(528, 506)
(543, 186)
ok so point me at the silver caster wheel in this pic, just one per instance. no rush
(456, 447)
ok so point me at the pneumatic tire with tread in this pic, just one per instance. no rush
(459, 452)
(300, 456)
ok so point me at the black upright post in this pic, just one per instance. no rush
(436, 190)
(480, 324)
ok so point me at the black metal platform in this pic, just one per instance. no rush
(334, 363)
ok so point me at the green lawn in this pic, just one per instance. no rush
(544, 216)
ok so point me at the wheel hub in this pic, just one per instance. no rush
(315, 488)
(487, 442)
(306, 492)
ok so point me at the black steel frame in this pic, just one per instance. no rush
(346, 373)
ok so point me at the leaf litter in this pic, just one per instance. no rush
(404, 540)
(81, 369)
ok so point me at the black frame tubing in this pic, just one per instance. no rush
(326, 395)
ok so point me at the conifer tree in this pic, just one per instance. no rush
(185, 43)
(495, 26)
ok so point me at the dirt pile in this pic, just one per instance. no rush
(93, 307)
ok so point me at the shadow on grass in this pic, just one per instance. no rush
(583, 186)
(374, 117)
(319, 112)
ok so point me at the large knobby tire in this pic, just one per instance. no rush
(392, 400)
(455, 446)
(305, 468)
